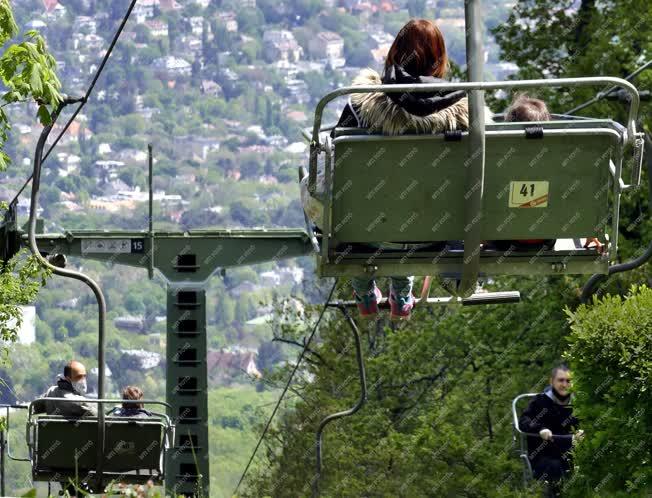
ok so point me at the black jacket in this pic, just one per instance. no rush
(129, 412)
(64, 389)
(544, 413)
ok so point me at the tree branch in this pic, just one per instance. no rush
(308, 350)
(424, 378)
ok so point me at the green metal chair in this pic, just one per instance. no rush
(519, 437)
(133, 449)
(560, 179)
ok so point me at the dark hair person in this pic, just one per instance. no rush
(548, 414)
(132, 393)
(418, 56)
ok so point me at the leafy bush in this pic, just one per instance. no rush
(611, 351)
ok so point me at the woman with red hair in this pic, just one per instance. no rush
(417, 56)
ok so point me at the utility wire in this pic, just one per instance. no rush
(86, 96)
(287, 386)
(602, 95)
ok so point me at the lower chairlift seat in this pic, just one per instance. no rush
(63, 448)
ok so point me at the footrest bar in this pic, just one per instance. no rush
(479, 298)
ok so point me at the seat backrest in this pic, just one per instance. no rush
(133, 444)
(65, 445)
(412, 188)
(69, 446)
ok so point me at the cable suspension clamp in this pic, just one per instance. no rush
(453, 135)
(534, 132)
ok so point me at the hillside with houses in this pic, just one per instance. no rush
(221, 89)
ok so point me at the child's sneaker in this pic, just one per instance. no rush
(368, 303)
(400, 306)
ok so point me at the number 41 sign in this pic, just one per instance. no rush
(528, 194)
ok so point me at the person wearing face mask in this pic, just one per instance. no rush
(550, 414)
(72, 385)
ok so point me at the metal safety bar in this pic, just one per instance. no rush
(4, 444)
(477, 150)
(7, 408)
(608, 132)
(503, 297)
(483, 85)
(517, 428)
(592, 283)
(38, 159)
(99, 401)
(305, 132)
(315, 145)
(311, 233)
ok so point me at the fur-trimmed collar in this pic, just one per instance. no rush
(378, 112)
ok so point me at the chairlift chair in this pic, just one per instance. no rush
(561, 179)
(134, 449)
(519, 437)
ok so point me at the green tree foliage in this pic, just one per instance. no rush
(611, 352)
(548, 38)
(20, 279)
(306, 8)
(318, 84)
(234, 411)
(246, 214)
(27, 71)
(250, 21)
(437, 421)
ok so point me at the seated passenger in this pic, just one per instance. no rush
(550, 414)
(71, 386)
(418, 55)
(131, 409)
(523, 109)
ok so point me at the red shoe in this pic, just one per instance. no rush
(368, 303)
(401, 306)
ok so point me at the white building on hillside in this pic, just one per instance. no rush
(27, 331)
(172, 67)
(144, 10)
(328, 45)
(281, 45)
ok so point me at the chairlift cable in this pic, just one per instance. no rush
(86, 96)
(602, 95)
(287, 385)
